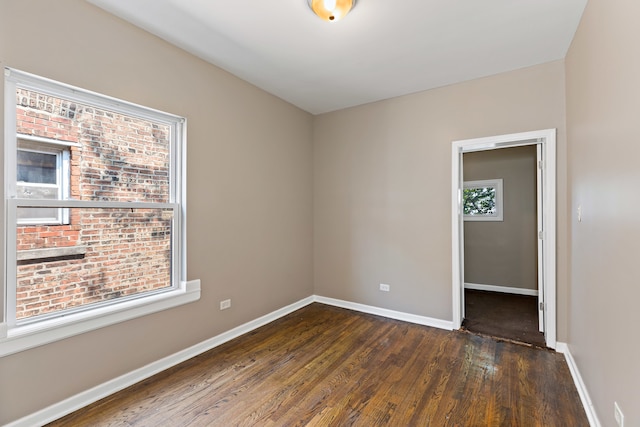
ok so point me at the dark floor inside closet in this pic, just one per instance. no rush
(501, 315)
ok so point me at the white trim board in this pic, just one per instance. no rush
(87, 397)
(502, 289)
(391, 314)
(580, 385)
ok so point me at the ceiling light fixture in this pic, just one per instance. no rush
(331, 10)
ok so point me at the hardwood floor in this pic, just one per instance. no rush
(326, 366)
(509, 316)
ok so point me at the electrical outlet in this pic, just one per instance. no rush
(385, 287)
(617, 412)
(225, 304)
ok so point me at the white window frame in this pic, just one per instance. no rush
(487, 183)
(61, 150)
(18, 336)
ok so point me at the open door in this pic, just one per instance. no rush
(458, 236)
(540, 216)
(545, 140)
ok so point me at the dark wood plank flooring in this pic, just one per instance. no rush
(326, 366)
(509, 316)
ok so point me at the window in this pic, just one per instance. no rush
(42, 173)
(482, 200)
(95, 211)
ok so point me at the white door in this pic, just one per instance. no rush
(540, 216)
(461, 242)
(458, 238)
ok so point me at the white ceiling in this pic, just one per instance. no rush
(382, 49)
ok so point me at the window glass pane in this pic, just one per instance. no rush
(38, 192)
(102, 255)
(42, 215)
(480, 201)
(118, 157)
(37, 167)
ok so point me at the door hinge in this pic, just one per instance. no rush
(540, 164)
(541, 306)
(541, 235)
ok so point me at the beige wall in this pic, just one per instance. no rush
(260, 230)
(603, 110)
(249, 192)
(504, 253)
(382, 186)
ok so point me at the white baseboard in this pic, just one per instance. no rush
(103, 390)
(94, 394)
(580, 385)
(398, 315)
(503, 289)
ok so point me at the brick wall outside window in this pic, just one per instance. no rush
(124, 252)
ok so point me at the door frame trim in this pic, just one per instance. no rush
(547, 139)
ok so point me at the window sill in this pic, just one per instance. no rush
(33, 254)
(29, 336)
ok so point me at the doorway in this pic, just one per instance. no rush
(501, 243)
(543, 142)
